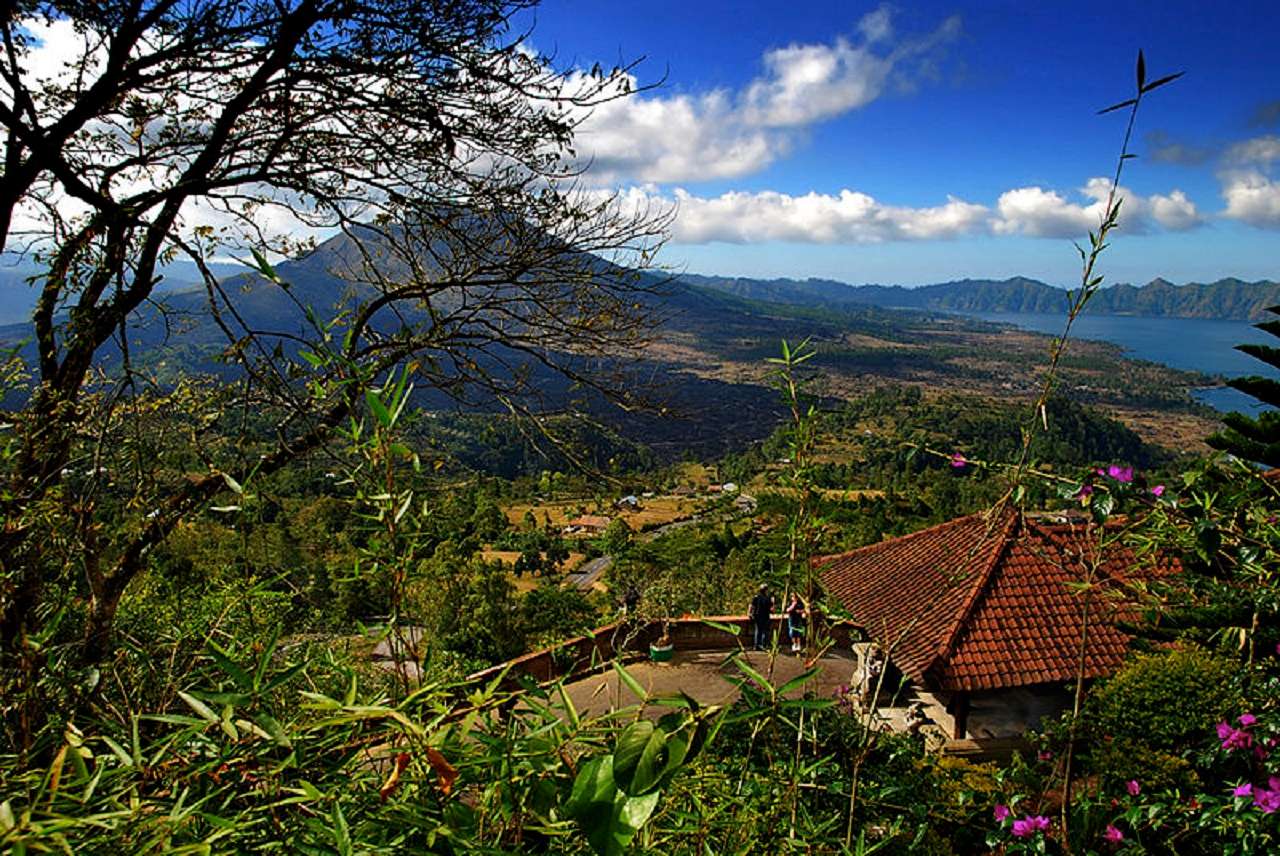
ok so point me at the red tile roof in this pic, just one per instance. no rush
(984, 602)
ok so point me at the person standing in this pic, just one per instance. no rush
(761, 614)
(796, 621)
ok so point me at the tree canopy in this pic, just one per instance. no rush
(422, 141)
(1255, 438)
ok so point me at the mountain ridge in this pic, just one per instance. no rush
(1227, 299)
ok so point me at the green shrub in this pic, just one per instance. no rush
(1121, 761)
(1169, 700)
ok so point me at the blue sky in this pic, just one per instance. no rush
(913, 143)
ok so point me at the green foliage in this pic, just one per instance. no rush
(268, 754)
(1255, 438)
(1134, 703)
(550, 613)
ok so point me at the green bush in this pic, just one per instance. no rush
(1169, 700)
(1121, 761)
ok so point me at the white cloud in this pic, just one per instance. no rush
(673, 139)
(877, 26)
(1259, 150)
(724, 133)
(852, 217)
(55, 53)
(1253, 198)
(1043, 213)
(1174, 212)
(1251, 192)
(809, 83)
(848, 217)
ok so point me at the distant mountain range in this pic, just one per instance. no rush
(1226, 299)
(18, 295)
(705, 364)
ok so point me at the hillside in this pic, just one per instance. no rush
(704, 369)
(1227, 299)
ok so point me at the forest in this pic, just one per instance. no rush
(260, 536)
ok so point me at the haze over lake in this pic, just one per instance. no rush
(1195, 344)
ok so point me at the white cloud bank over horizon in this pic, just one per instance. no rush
(1044, 213)
(852, 217)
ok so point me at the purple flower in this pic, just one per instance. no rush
(1120, 474)
(1112, 834)
(958, 461)
(1001, 812)
(1085, 490)
(1029, 825)
(1233, 738)
(1133, 787)
(1157, 491)
(1244, 790)
(1247, 719)
(1267, 799)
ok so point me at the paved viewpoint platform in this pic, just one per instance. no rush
(704, 674)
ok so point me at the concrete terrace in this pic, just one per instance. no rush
(704, 663)
(704, 674)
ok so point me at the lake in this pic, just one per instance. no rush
(1197, 344)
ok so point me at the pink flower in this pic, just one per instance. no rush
(1085, 490)
(1029, 825)
(1120, 474)
(1246, 719)
(1243, 790)
(1044, 755)
(1266, 799)
(1133, 787)
(1157, 491)
(958, 461)
(1001, 812)
(1113, 834)
(1233, 738)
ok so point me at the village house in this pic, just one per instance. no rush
(984, 618)
(589, 525)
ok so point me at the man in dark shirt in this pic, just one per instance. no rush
(761, 615)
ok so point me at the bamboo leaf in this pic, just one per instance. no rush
(378, 409)
(632, 683)
(1126, 103)
(1169, 78)
(639, 757)
(753, 675)
(798, 681)
(233, 670)
(202, 710)
(341, 834)
(118, 751)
